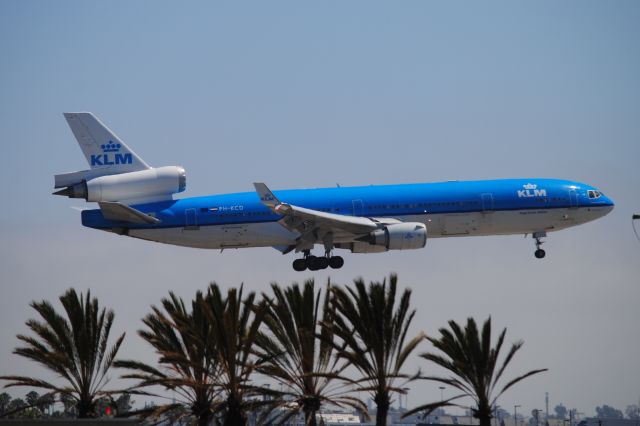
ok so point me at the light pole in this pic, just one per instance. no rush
(571, 412)
(406, 398)
(515, 415)
(441, 393)
(536, 415)
(267, 397)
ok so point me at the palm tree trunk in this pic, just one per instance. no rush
(381, 416)
(310, 418)
(235, 414)
(382, 402)
(484, 414)
(235, 419)
(203, 419)
(84, 409)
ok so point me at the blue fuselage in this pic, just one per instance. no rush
(396, 201)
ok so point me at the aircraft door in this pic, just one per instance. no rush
(358, 208)
(191, 220)
(573, 199)
(485, 219)
(487, 203)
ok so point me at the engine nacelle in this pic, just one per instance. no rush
(150, 183)
(400, 236)
(359, 247)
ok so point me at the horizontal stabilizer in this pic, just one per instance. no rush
(121, 213)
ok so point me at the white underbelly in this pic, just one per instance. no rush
(438, 225)
(508, 222)
(221, 236)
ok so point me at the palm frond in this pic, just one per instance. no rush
(520, 378)
(427, 409)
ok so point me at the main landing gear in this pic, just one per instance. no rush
(315, 263)
(539, 253)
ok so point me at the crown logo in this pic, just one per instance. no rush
(110, 147)
(530, 186)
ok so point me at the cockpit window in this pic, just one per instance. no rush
(594, 194)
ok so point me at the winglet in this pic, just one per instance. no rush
(266, 196)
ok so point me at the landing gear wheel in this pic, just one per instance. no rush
(322, 262)
(336, 262)
(299, 265)
(312, 263)
(538, 236)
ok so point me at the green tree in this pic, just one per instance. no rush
(235, 322)
(608, 412)
(633, 412)
(299, 348)
(32, 398)
(74, 347)
(373, 330)
(188, 365)
(561, 411)
(45, 402)
(16, 408)
(124, 403)
(468, 355)
(69, 403)
(5, 399)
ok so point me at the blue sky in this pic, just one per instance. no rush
(305, 95)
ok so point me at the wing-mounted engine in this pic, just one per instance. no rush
(359, 247)
(397, 236)
(144, 185)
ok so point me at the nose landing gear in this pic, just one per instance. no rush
(315, 263)
(539, 253)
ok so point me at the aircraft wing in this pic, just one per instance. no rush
(305, 220)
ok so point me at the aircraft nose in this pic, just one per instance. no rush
(608, 205)
(609, 202)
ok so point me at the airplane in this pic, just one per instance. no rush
(137, 200)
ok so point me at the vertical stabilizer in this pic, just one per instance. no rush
(101, 147)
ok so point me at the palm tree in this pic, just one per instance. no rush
(373, 330)
(74, 347)
(234, 329)
(187, 366)
(468, 355)
(5, 399)
(299, 351)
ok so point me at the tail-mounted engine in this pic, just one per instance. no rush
(158, 183)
